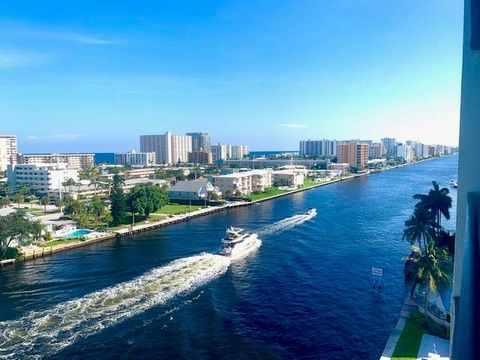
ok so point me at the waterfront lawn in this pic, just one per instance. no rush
(175, 209)
(409, 342)
(268, 193)
(307, 183)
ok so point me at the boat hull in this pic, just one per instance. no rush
(243, 249)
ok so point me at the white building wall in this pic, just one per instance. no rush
(42, 177)
(464, 343)
(405, 152)
(8, 151)
(181, 146)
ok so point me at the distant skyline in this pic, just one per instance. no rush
(89, 76)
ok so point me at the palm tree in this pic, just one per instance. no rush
(421, 227)
(45, 201)
(430, 267)
(437, 201)
(97, 208)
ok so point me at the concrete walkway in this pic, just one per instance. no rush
(405, 312)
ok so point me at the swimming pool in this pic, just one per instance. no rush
(78, 233)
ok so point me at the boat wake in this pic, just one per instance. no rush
(44, 333)
(285, 224)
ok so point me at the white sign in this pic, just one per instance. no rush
(377, 271)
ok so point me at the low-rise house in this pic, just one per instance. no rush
(231, 183)
(191, 190)
(288, 178)
(244, 182)
(343, 167)
(324, 174)
(87, 189)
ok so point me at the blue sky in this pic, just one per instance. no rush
(94, 75)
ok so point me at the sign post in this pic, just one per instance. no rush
(377, 274)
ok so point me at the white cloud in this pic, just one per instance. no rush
(15, 58)
(292, 125)
(19, 29)
(70, 37)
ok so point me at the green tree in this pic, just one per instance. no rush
(118, 207)
(421, 227)
(73, 207)
(45, 201)
(96, 207)
(69, 182)
(106, 218)
(59, 203)
(431, 267)
(16, 227)
(19, 199)
(213, 196)
(437, 201)
(145, 199)
(4, 201)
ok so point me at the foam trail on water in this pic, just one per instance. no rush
(285, 224)
(44, 333)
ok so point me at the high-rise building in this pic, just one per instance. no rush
(73, 160)
(405, 152)
(354, 153)
(323, 147)
(181, 146)
(238, 152)
(134, 158)
(8, 151)
(200, 157)
(221, 152)
(390, 145)
(168, 148)
(376, 151)
(200, 141)
(160, 145)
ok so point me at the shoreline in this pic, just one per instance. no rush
(40, 252)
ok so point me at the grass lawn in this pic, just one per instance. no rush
(309, 183)
(270, 192)
(409, 342)
(61, 242)
(174, 209)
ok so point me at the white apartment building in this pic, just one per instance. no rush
(181, 147)
(168, 148)
(238, 152)
(72, 160)
(405, 152)
(221, 152)
(231, 183)
(343, 167)
(244, 182)
(41, 177)
(8, 151)
(261, 179)
(390, 145)
(288, 178)
(134, 158)
(323, 147)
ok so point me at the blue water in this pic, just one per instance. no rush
(305, 294)
(78, 233)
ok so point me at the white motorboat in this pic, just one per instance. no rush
(238, 243)
(312, 212)
(454, 184)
